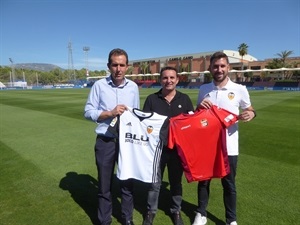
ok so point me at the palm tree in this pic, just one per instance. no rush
(243, 50)
(144, 67)
(129, 70)
(284, 55)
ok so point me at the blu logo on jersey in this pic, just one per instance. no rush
(136, 138)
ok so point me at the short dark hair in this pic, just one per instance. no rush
(218, 55)
(168, 68)
(117, 51)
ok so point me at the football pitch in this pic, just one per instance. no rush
(48, 172)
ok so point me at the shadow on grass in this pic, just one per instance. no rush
(83, 188)
(216, 220)
(140, 203)
(187, 208)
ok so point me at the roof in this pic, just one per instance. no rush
(233, 56)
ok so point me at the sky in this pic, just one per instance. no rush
(39, 31)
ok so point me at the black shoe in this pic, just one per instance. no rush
(177, 220)
(148, 218)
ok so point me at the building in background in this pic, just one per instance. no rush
(194, 67)
(193, 64)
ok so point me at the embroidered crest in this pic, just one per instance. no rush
(231, 95)
(149, 129)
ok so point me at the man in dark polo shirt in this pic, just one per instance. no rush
(168, 102)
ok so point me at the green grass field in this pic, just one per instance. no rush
(48, 172)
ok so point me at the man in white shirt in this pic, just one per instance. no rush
(226, 94)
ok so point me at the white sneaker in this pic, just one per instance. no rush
(232, 223)
(199, 219)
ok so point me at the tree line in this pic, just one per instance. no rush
(56, 76)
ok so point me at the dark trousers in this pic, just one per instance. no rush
(170, 159)
(106, 154)
(229, 192)
(126, 200)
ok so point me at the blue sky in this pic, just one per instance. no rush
(38, 31)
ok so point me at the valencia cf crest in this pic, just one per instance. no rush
(231, 95)
(204, 122)
(149, 129)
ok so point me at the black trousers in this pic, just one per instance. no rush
(229, 192)
(106, 154)
(171, 160)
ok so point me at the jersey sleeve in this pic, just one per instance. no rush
(171, 136)
(114, 126)
(164, 132)
(226, 118)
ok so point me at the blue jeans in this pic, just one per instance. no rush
(229, 192)
(170, 159)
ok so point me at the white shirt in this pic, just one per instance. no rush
(104, 96)
(231, 97)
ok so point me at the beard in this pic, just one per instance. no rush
(220, 77)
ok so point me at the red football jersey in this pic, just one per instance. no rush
(200, 139)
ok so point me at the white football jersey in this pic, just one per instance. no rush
(141, 139)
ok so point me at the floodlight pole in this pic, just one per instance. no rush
(71, 71)
(23, 78)
(13, 71)
(86, 53)
(37, 79)
(10, 79)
